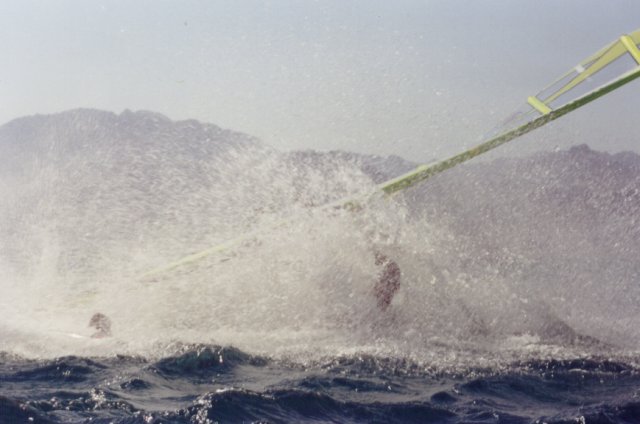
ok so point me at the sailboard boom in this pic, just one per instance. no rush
(546, 106)
(424, 172)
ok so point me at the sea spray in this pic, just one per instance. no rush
(107, 199)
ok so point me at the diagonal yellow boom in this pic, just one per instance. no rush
(540, 112)
(613, 66)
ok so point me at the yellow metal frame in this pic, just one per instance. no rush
(538, 105)
(631, 47)
(599, 61)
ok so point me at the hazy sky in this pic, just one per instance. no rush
(421, 79)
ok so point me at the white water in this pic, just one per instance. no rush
(78, 233)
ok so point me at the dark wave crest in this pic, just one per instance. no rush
(202, 384)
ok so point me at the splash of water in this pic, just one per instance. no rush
(80, 229)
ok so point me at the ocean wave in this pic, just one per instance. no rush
(207, 383)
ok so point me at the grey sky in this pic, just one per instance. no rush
(421, 79)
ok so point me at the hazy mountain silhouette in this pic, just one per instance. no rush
(95, 182)
(147, 152)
